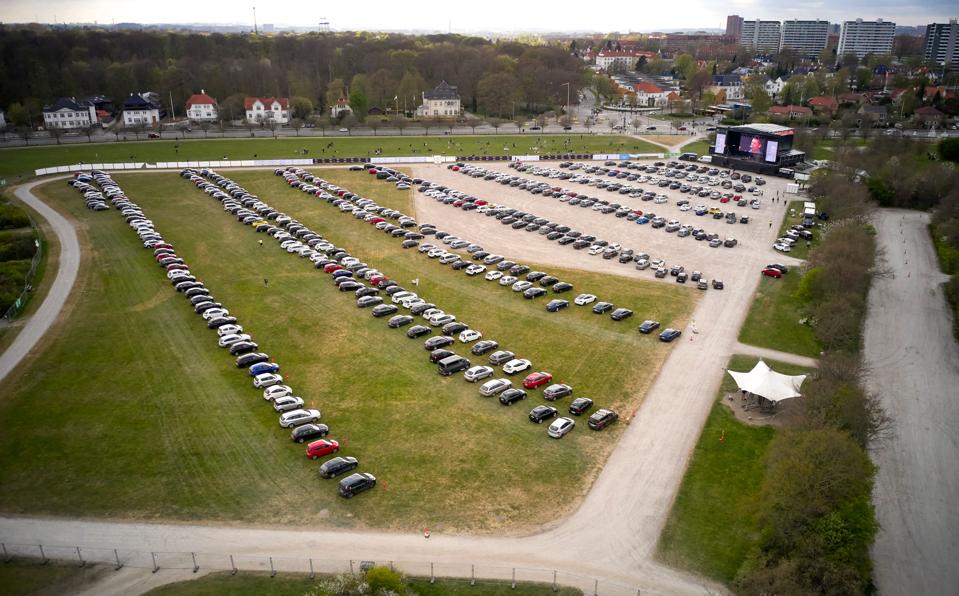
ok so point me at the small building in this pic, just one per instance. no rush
(731, 84)
(201, 108)
(138, 110)
(826, 104)
(928, 117)
(442, 102)
(621, 59)
(650, 95)
(789, 112)
(340, 108)
(69, 113)
(873, 115)
(775, 87)
(267, 109)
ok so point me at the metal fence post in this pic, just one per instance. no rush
(513, 586)
(391, 566)
(6, 555)
(596, 587)
(432, 577)
(116, 556)
(312, 574)
(232, 566)
(195, 566)
(351, 567)
(555, 589)
(155, 566)
(80, 556)
(272, 569)
(472, 575)
(43, 558)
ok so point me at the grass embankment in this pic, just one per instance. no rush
(17, 249)
(22, 577)
(22, 161)
(135, 412)
(949, 264)
(713, 525)
(773, 319)
(700, 147)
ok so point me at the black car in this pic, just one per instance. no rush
(531, 293)
(309, 431)
(518, 270)
(356, 483)
(440, 341)
(580, 405)
(649, 326)
(541, 413)
(202, 307)
(547, 281)
(557, 391)
(336, 466)
(383, 310)
(556, 305)
(717, 284)
(349, 285)
(454, 327)
(535, 275)
(418, 331)
(367, 301)
(562, 287)
(243, 347)
(782, 268)
(196, 290)
(367, 292)
(399, 321)
(602, 418)
(484, 346)
(440, 353)
(248, 360)
(602, 307)
(669, 335)
(511, 396)
(221, 321)
(183, 286)
(621, 313)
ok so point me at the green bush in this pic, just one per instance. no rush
(13, 275)
(383, 580)
(949, 149)
(12, 216)
(952, 295)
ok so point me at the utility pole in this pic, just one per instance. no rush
(255, 32)
(569, 119)
(172, 111)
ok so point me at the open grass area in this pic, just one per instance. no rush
(20, 577)
(135, 412)
(712, 526)
(261, 584)
(773, 319)
(700, 147)
(793, 216)
(23, 161)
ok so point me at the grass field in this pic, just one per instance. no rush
(22, 577)
(135, 412)
(800, 249)
(257, 584)
(700, 147)
(712, 525)
(24, 160)
(773, 319)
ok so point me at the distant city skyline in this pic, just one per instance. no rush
(496, 15)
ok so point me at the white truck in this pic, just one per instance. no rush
(808, 214)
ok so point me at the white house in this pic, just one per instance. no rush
(341, 107)
(732, 85)
(201, 107)
(775, 87)
(443, 101)
(622, 59)
(139, 111)
(67, 112)
(649, 95)
(267, 109)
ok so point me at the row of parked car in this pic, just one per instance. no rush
(791, 236)
(303, 422)
(448, 362)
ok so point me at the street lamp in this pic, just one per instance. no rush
(568, 119)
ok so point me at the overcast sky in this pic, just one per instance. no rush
(490, 15)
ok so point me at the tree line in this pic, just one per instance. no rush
(389, 71)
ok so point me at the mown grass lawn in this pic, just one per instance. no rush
(773, 319)
(20, 577)
(22, 161)
(256, 584)
(133, 411)
(700, 147)
(713, 525)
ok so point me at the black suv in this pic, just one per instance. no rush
(601, 419)
(541, 413)
(336, 466)
(309, 431)
(356, 483)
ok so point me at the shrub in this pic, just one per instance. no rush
(12, 216)
(949, 149)
(383, 580)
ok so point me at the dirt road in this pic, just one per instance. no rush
(914, 367)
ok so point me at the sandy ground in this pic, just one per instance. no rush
(913, 364)
(613, 533)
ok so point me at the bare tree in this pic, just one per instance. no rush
(374, 124)
(250, 126)
(88, 131)
(205, 127)
(56, 133)
(25, 132)
(272, 125)
(296, 124)
(495, 123)
(399, 122)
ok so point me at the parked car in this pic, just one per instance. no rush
(501, 356)
(287, 403)
(298, 417)
(490, 388)
(648, 326)
(322, 447)
(478, 373)
(621, 313)
(584, 299)
(440, 341)
(332, 468)
(483, 346)
(356, 483)
(557, 305)
(560, 427)
(274, 391)
(398, 321)
(669, 335)
(517, 365)
(470, 335)
(772, 272)
(600, 419)
(511, 396)
(580, 405)
(263, 367)
(383, 310)
(309, 431)
(418, 331)
(247, 360)
(541, 413)
(557, 391)
(537, 379)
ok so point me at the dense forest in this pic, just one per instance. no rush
(493, 78)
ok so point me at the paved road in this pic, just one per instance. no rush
(913, 364)
(67, 268)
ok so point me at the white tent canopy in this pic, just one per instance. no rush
(766, 382)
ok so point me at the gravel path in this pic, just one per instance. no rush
(67, 267)
(913, 363)
(796, 359)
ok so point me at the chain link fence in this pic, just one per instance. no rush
(21, 300)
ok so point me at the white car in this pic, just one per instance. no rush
(507, 280)
(411, 301)
(560, 427)
(475, 270)
(596, 249)
(522, 286)
(400, 296)
(228, 340)
(177, 273)
(477, 373)
(229, 330)
(470, 335)
(298, 417)
(494, 275)
(584, 299)
(495, 386)
(266, 380)
(685, 207)
(287, 403)
(276, 391)
(517, 365)
(657, 263)
(209, 315)
(441, 319)
(782, 247)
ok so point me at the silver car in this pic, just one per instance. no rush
(477, 373)
(287, 403)
(298, 417)
(490, 388)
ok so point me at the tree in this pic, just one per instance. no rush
(383, 580)
(18, 115)
(205, 127)
(410, 87)
(949, 149)
(399, 123)
(24, 132)
(231, 109)
(296, 124)
(497, 92)
(89, 131)
(495, 123)
(301, 107)
(56, 133)
(756, 93)
(359, 103)
(697, 82)
(374, 124)
(335, 90)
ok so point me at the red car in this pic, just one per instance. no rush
(320, 448)
(173, 266)
(455, 168)
(724, 199)
(164, 255)
(376, 280)
(162, 245)
(481, 202)
(772, 272)
(372, 170)
(458, 203)
(536, 379)
(376, 220)
(331, 267)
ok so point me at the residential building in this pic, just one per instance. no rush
(861, 37)
(201, 108)
(730, 85)
(621, 59)
(3, 120)
(928, 116)
(69, 113)
(650, 95)
(760, 35)
(138, 110)
(874, 115)
(942, 43)
(790, 112)
(267, 109)
(443, 102)
(807, 38)
(826, 104)
(340, 108)
(775, 87)
(734, 26)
